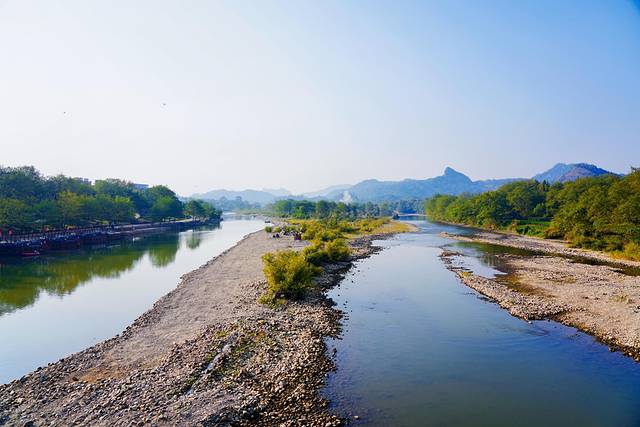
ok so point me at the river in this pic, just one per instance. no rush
(420, 348)
(58, 304)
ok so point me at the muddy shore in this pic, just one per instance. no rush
(206, 353)
(560, 283)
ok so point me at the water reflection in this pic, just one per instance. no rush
(193, 240)
(23, 280)
(58, 304)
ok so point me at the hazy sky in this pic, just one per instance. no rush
(307, 94)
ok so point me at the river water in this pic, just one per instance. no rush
(55, 305)
(421, 349)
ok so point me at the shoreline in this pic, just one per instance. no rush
(549, 246)
(206, 353)
(36, 244)
(561, 284)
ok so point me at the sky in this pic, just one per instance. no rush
(202, 95)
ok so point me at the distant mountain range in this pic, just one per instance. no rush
(268, 195)
(262, 197)
(454, 182)
(451, 182)
(334, 189)
(372, 190)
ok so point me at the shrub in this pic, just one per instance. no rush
(337, 250)
(319, 252)
(315, 253)
(288, 274)
(320, 230)
(289, 229)
(632, 251)
(268, 229)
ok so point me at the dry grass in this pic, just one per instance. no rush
(393, 227)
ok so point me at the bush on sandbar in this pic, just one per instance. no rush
(288, 274)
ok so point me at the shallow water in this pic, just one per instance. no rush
(55, 305)
(419, 348)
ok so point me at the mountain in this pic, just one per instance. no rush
(373, 190)
(279, 192)
(326, 191)
(252, 196)
(563, 172)
(450, 182)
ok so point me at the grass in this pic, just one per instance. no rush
(621, 298)
(332, 229)
(393, 227)
(530, 227)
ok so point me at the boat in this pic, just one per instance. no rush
(30, 253)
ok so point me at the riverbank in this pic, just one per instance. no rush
(207, 353)
(585, 289)
(35, 244)
(549, 246)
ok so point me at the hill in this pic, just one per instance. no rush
(450, 182)
(252, 196)
(563, 172)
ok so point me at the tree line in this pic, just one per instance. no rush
(32, 202)
(601, 213)
(322, 209)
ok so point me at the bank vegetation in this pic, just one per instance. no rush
(601, 213)
(31, 202)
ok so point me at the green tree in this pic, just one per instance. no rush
(14, 214)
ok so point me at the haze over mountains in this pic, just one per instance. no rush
(372, 190)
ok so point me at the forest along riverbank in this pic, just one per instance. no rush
(584, 289)
(206, 353)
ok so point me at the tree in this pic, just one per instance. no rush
(70, 208)
(14, 214)
(165, 207)
(163, 203)
(199, 209)
(22, 183)
(323, 209)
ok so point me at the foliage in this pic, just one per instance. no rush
(304, 209)
(600, 213)
(532, 227)
(288, 274)
(320, 251)
(315, 253)
(234, 205)
(337, 250)
(202, 210)
(631, 250)
(332, 228)
(268, 229)
(31, 202)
